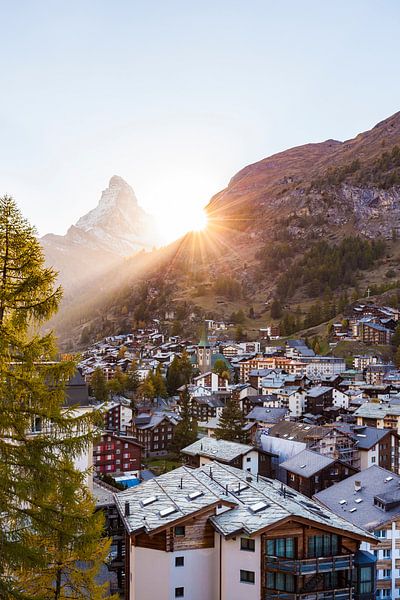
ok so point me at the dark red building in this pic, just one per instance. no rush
(116, 454)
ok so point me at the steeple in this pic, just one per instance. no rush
(204, 351)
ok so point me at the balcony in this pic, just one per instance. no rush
(309, 566)
(342, 594)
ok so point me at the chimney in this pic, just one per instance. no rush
(127, 510)
(357, 486)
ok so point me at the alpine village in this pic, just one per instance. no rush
(211, 416)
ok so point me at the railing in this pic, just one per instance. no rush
(309, 566)
(342, 594)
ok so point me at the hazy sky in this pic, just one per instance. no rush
(176, 96)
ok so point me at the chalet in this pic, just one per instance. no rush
(117, 415)
(154, 431)
(318, 399)
(379, 414)
(211, 381)
(242, 456)
(375, 446)
(116, 454)
(309, 472)
(204, 408)
(374, 333)
(219, 532)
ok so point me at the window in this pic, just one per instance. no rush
(282, 547)
(247, 576)
(373, 459)
(387, 553)
(179, 592)
(180, 530)
(366, 580)
(247, 544)
(322, 545)
(179, 561)
(126, 446)
(248, 459)
(283, 582)
(387, 573)
(381, 533)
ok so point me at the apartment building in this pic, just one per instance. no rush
(217, 532)
(371, 500)
(116, 454)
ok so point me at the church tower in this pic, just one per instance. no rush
(204, 351)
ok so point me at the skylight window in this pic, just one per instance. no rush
(165, 512)
(352, 510)
(342, 501)
(149, 500)
(303, 466)
(389, 478)
(358, 500)
(194, 495)
(258, 506)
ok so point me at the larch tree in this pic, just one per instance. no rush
(38, 436)
(185, 432)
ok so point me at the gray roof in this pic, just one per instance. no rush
(218, 449)
(103, 494)
(366, 437)
(251, 505)
(270, 415)
(155, 419)
(375, 410)
(307, 463)
(375, 482)
(318, 390)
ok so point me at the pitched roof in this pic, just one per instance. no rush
(219, 449)
(254, 503)
(307, 463)
(359, 507)
(263, 413)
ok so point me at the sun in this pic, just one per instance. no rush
(186, 220)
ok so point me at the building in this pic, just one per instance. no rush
(310, 472)
(379, 414)
(204, 408)
(321, 366)
(242, 456)
(318, 399)
(267, 417)
(374, 334)
(117, 415)
(154, 431)
(375, 446)
(371, 500)
(116, 454)
(217, 532)
(204, 352)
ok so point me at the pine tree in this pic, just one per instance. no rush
(133, 381)
(179, 373)
(32, 391)
(186, 431)
(98, 385)
(231, 423)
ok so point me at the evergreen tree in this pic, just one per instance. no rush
(231, 423)
(276, 309)
(397, 358)
(133, 380)
(119, 383)
(159, 383)
(146, 389)
(179, 373)
(186, 431)
(32, 391)
(73, 541)
(98, 385)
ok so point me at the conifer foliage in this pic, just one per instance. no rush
(231, 423)
(38, 437)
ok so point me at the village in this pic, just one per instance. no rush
(272, 408)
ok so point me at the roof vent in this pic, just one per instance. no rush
(357, 486)
(352, 510)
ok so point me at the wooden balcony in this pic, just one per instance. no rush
(309, 566)
(338, 594)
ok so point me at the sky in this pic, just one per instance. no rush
(176, 96)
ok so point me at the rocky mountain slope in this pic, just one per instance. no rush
(295, 215)
(116, 228)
